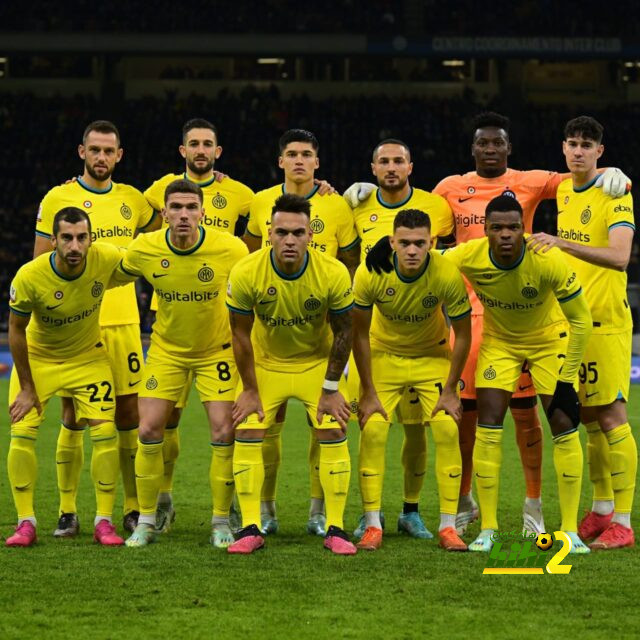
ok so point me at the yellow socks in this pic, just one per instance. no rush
(371, 463)
(624, 465)
(170, 453)
(567, 459)
(599, 463)
(487, 459)
(127, 447)
(414, 461)
(149, 472)
(271, 455)
(248, 475)
(448, 464)
(69, 462)
(23, 469)
(335, 472)
(221, 477)
(104, 466)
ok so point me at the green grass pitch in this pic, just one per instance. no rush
(182, 587)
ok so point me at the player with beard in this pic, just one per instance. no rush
(117, 212)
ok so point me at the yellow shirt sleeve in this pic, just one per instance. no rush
(442, 225)
(240, 297)
(578, 315)
(146, 213)
(46, 212)
(155, 195)
(341, 292)
(457, 299)
(253, 226)
(363, 295)
(620, 212)
(347, 234)
(20, 294)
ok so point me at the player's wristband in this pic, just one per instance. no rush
(330, 386)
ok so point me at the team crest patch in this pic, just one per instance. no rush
(97, 289)
(373, 217)
(205, 274)
(390, 291)
(509, 193)
(12, 294)
(585, 216)
(566, 199)
(87, 204)
(489, 373)
(152, 383)
(125, 212)
(354, 407)
(164, 263)
(471, 190)
(461, 385)
(58, 295)
(317, 226)
(529, 292)
(219, 201)
(312, 304)
(428, 302)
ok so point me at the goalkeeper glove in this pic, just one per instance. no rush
(613, 183)
(378, 258)
(565, 399)
(358, 192)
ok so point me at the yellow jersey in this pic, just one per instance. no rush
(64, 311)
(407, 319)
(291, 331)
(585, 216)
(116, 213)
(521, 301)
(190, 284)
(224, 202)
(374, 217)
(331, 220)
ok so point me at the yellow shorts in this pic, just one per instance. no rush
(605, 371)
(276, 387)
(408, 410)
(394, 375)
(166, 375)
(500, 363)
(86, 379)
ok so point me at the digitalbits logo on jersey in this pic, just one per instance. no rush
(205, 274)
(97, 289)
(317, 226)
(219, 201)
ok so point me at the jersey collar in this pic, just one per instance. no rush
(309, 195)
(52, 262)
(286, 276)
(206, 183)
(388, 205)
(186, 252)
(416, 277)
(584, 187)
(84, 185)
(510, 267)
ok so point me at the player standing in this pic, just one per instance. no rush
(404, 343)
(117, 212)
(333, 234)
(596, 234)
(292, 297)
(54, 337)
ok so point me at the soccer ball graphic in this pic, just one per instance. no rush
(544, 541)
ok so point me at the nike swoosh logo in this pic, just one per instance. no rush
(335, 473)
(456, 475)
(533, 444)
(105, 484)
(237, 473)
(106, 408)
(133, 384)
(225, 390)
(368, 229)
(369, 475)
(160, 275)
(528, 386)
(265, 301)
(419, 475)
(229, 483)
(588, 395)
(464, 199)
(69, 462)
(51, 307)
(484, 284)
(479, 476)
(564, 475)
(617, 473)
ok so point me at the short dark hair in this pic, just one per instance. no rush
(491, 119)
(584, 127)
(412, 219)
(502, 203)
(291, 203)
(391, 141)
(183, 186)
(198, 123)
(297, 135)
(101, 126)
(72, 215)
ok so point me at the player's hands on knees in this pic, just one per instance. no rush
(358, 192)
(379, 257)
(369, 404)
(565, 399)
(334, 405)
(26, 400)
(324, 188)
(449, 402)
(248, 402)
(542, 242)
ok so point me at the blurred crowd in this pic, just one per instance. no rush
(40, 138)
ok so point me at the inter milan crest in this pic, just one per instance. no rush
(317, 226)
(205, 274)
(529, 292)
(585, 216)
(152, 383)
(219, 201)
(428, 302)
(97, 289)
(125, 212)
(489, 373)
(312, 304)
